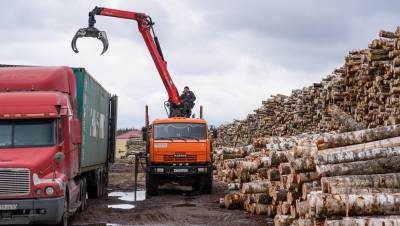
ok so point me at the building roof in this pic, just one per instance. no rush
(130, 134)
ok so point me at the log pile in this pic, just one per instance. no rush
(317, 179)
(134, 146)
(363, 93)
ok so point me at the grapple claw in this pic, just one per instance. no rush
(90, 32)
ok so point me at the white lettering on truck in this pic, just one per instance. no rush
(97, 124)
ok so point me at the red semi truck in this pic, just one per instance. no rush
(57, 141)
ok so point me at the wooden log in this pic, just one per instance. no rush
(358, 190)
(329, 157)
(293, 211)
(358, 137)
(234, 201)
(261, 209)
(306, 177)
(302, 208)
(284, 168)
(283, 220)
(390, 142)
(388, 34)
(250, 166)
(308, 188)
(233, 186)
(364, 221)
(244, 176)
(292, 196)
(304, 164)
(231, 156)
(263, 198)
(290, 182)
(391, 180)
(279, 195)
(273, 174)
(329, 205)
(285, 208)
(312, 199)
(255, 187)
(277, 157)
(263, 172)
(252, 208)
(374, 166)
(271, 210)
(357, 204)
(303, 222)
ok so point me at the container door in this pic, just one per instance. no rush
(112, 128)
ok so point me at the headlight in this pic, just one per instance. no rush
(38, 191)
(159, 170)
(49, 191)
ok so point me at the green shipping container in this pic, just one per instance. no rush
(97, 114)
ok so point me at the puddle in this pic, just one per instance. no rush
(128, 196)
(121, 206)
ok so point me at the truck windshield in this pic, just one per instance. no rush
(180, 131)
(27, 133)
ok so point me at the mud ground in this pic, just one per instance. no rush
(169, 208)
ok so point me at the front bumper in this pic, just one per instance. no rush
(180, 171)
(29, 211)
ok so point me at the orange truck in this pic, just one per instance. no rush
(178, 150)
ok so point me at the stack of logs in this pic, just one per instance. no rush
(366, 88)
(134, 145)
(350, 178)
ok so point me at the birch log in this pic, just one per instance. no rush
(375, 180)
(365, 221)
(358, 137)
(374, 166)
(357, 204)
(335, 157)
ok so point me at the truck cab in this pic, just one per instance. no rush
(178, 150)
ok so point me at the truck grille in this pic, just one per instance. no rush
(14, 182)
(180, 158)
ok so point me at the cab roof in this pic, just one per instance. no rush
(179, 120)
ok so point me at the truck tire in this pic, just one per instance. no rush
(65, 218)
(151, 186)
(97, 188)
(83, 191)
(206, 184)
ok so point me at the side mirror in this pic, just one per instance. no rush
(59, 157)
(144, 133)
(76, 131)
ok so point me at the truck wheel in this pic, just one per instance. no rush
(64, 220)
(151, 186)
(97, 190)
(206, 184)
(83, 192)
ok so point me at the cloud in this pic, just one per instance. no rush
(233, 55)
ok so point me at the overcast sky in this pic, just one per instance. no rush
(232, 54)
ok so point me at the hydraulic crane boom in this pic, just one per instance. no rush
(145, 25)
